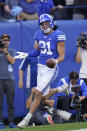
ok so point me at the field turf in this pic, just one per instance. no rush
(55, 127)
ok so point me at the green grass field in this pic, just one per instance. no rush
(55, 127)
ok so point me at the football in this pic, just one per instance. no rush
(50, 63)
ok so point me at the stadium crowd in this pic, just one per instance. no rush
(15, 10)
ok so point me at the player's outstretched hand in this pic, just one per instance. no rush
(21, 55)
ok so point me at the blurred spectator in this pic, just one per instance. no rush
(69, 8)
(7, 83)
(46, 6)
(11, 10)
(80, 12)
(1, 8)
(59, 2)
(55, 8)
(81, 56)
(60, 12)
(30, 9)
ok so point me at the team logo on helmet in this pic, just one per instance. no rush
(46, 18)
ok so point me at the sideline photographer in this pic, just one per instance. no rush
(73, 80)
(81, 57)
(7, 83)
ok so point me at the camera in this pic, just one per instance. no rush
(2, 45)
(76, 102)
(82, 40)
(77, 105)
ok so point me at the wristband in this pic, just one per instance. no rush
(56, 61)
(34, 53)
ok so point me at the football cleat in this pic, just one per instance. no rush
(23, 123)
(49, 119)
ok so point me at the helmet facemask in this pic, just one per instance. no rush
(45, 27)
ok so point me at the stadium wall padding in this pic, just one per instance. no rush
(22, 39)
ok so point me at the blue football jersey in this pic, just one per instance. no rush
(48, 44)
(32, 61)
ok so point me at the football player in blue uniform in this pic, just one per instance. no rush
(29, 63)
(49, 44)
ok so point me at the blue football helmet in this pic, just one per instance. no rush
(46, 28)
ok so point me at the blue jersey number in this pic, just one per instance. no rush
(45, 47)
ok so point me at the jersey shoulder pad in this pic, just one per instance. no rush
(60, 35)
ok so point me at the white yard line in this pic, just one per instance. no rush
(79, 130)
